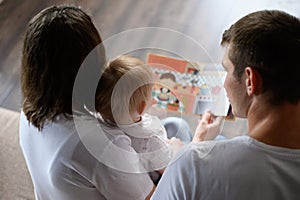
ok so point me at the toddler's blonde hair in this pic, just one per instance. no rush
(124, 84)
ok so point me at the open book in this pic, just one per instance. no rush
(188, 87)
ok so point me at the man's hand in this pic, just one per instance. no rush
(208, 127)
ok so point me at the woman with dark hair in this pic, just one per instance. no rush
(57, 42)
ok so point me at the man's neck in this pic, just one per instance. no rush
(275, 125)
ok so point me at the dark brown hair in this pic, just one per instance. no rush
(269, 42)
(57, 40)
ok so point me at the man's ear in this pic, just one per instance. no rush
(253, 81)
(141, 107)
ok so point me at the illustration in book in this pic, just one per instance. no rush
(188, 87)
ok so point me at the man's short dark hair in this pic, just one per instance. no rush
(269, 42)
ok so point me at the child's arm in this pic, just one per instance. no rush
(151, 193)
(161, 171)
(175, 144)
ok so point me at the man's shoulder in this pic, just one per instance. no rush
(218, 145)
(197, 152)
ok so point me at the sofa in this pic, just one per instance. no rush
(15, 181)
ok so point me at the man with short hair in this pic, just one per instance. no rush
(262, 64)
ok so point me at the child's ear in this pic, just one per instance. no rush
(141, 107)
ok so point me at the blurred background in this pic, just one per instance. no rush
(199, 22)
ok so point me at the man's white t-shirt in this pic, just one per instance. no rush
(239, 168)
(62, 167)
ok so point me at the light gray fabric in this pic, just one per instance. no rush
(15, 182)
(239, 168)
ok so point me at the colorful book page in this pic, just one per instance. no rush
(187, 87)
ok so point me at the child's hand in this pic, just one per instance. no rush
(208, 127)
(175, 143)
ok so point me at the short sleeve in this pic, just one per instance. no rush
(158, 154)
